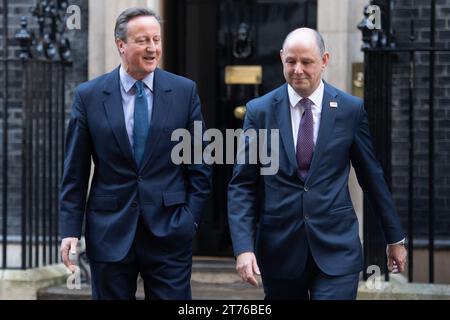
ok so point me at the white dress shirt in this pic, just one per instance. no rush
(128, 94)
(297, 111)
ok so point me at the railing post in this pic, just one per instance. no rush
(431, 182)
(5, 137)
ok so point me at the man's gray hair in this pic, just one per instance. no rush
(319, 40)
(120, 31)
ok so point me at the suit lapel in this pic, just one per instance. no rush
(283, 115)
(114, 112)
(162, 104)
(327, 119)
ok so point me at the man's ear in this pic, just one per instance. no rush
(281, 55)
(120, 45)
(325, 59)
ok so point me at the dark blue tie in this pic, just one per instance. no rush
(140, 129)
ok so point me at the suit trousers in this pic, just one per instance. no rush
(166, 271)
(312, 285)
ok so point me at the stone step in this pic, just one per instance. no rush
(212, 279)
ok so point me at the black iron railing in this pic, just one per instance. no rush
(37, 93)
(381, 54)
(44, 121)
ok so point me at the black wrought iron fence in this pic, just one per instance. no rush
(33, 116)
(400, 88)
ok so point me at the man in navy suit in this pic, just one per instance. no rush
(142, 210)
(306, 240)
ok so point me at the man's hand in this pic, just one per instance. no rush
(246, 266)
(396, 254)
(68, 245)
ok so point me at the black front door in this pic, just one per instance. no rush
(231, 49)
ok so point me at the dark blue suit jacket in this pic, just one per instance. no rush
(169, 197)
(317, 212)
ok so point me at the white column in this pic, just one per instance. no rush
(337, 21)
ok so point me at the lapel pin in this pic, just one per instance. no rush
(333, 104)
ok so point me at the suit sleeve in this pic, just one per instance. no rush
(77, 168)
(371, 178)
(242, 193)
(198, 176)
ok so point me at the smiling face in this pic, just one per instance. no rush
(142, 49)
(302, 62)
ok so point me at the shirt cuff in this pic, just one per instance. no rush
(400, 242)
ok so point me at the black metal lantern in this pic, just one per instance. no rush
(25, 40)
(51, 41)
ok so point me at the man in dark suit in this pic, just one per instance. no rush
(307, 243)
(143, 210)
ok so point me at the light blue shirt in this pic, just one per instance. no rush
(128, 93)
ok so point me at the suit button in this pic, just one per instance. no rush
(139, 179)
(134, 205)
(306, 217)
(306, 189)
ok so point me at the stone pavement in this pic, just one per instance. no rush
(216, 279)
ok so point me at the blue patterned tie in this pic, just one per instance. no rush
(305, 139)
(140, 129)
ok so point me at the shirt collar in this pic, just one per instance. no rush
(316, 97)
(128, 81)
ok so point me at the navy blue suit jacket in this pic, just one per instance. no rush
(317, 212)
(169, 197)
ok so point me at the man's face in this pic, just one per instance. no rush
(303, 64)
(141, 51)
